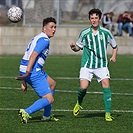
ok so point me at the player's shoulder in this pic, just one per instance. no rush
(41, 37)
(104, 30)
(85, 31)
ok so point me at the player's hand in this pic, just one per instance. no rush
(73, 45)
(23, 77)
(24, 86)
(113, 59)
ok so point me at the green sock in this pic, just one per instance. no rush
(81, 94)
(107, 99)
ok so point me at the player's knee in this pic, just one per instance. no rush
(49, 97)
(83, 87)
(53, 86)
(51, 100)
(84, 84)
(105, 83)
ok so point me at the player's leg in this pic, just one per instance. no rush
(39, 83)
(40, 103)
(36, 106)
(103, 76)
(47, 109)
(47, 113)
(85, 78)
(107, 96)
(81, 95)
(52, 84)
(82, 90)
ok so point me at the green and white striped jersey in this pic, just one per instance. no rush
(94, 47)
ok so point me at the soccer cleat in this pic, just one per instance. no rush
(49, 118)
(108, 117)
(24, 115)
(76, 109)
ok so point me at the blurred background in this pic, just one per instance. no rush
(71, 16)
(65, 11)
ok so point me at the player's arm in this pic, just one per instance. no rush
(42, 43)
(29, 67)
(31, 61)
(24, 86)
(74, 47)
(77, 46)
(114, 53)
(114, 46)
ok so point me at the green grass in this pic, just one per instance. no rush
(65, 71)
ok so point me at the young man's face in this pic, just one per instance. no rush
(50, 29)
(94, 20)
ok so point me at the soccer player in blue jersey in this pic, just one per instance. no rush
(93, 41)
(31, 72)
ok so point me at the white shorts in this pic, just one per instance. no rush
(100, 73)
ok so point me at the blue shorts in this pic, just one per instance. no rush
(38, 81)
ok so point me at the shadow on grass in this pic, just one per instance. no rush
(92, 115)
(80, 116)
(38, 119)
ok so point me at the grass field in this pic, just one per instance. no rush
(65, 71)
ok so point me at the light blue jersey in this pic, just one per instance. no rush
(37, 78)
(40, 44)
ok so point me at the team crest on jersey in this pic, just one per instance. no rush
(101, 37)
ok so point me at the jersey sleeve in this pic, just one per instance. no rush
(112, 41)
(80, 43)
(41, 44)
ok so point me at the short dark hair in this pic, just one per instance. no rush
(97, 11)
(48, 20)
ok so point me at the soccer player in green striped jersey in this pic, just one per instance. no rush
(93, 41)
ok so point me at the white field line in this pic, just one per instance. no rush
(69, 91)
(68, 78)
(66, 91)
(73, 78)
(67, 110)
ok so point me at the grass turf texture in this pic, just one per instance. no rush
(65, 70)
